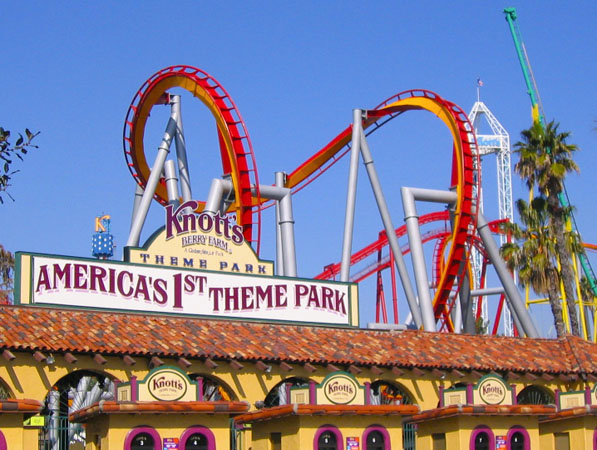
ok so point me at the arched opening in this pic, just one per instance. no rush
(5, 391)
(518, 439)
(75, 391)
(376, 438)
(143, 438)
(482, 438)
(213, 389)
(197, 438)
(143, 441)
(535, 395)
(389, 393)
(278, 395)
(382, 392)
(327, 438)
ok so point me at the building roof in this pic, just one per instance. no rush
(161, 407)
(571, 413)
(277, 412)
(31, 328)
(25, 405)
(482, 410)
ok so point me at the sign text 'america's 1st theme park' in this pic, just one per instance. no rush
(226, 280)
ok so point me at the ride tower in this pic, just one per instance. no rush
(496, 141)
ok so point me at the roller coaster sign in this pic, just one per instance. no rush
(50, 280)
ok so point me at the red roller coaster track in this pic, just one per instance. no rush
(238, 161)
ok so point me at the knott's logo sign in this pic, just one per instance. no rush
(492, 390)
(178, 223)
(199, 241)
(340, 388)
(167, 385)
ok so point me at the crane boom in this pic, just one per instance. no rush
(539, 116)
(525, 65)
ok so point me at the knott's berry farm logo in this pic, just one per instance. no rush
(167, 385)
(492, 391)
(340, 389)
(177, 223)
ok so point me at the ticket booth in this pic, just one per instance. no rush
(483, 416)
(164, 410)
(574, 425)
(327, 416)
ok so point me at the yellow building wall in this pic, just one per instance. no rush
(11, 426)
(298, 432)
(580, 431)
(27, 378)
(458, 430)
(110, 431)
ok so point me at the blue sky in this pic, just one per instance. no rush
(296, 71)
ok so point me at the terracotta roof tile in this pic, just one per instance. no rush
(162, 407)
(48, 329)
(333, 410)
(479, 410)
(579, 411)
(24, 405)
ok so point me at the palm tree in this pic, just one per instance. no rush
(545, 160)
(533, 254)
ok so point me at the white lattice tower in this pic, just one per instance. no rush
(498, 143)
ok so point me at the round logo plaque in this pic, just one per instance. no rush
(167, 385)
(492, 391)
(340, 389)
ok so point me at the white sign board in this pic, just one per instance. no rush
(90, 283)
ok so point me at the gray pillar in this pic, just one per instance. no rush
(152, 183)
(181, 150)
(390, 232)
(515, 301)
(171, 183)
(351, 195)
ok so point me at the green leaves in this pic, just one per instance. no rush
(7, 151)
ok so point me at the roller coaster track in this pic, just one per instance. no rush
(464, 177)
(238, 161)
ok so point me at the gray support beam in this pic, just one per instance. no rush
(515, 301)
(181, 150)
(279, 248)
(457, 317)
(409, 195)
(283, 196)
(218, 187)
(286, 225)
(351, 196)
(171, 183)
(136, 203)
(390, 231)
(468, 318)
(487, 291)
(152, 183)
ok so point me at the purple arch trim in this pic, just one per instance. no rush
(335, 431)
(386, 436)
(594, 439)
(3, 445)
(482, 429)
(138, 430)
(518, 428)
(186, 434)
